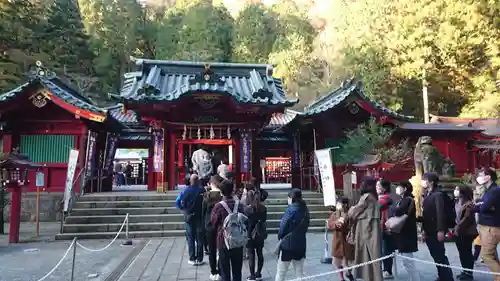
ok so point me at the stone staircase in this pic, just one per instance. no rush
(100, 215)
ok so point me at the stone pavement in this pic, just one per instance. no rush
(27, 232)
(163, 260)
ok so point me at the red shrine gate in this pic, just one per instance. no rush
(220, 105)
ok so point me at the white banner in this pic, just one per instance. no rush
(324, 158)
(72, 161)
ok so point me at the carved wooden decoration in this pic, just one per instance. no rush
(353, 108)
(39, 100)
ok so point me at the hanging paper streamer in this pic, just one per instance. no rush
(184, 133)
(199, 133)
(229, 132)
(212, 133)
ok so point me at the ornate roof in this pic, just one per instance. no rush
(279, 119)
(58, 92)
(126, 117)
(169, 80)
(489, 126)
(348, 88)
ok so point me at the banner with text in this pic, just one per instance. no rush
(245, 152)
(158, 151)
(296, 151)
(90, 155)
(109, 154)
(70, 174)
(324, 158)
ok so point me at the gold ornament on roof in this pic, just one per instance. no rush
(39, 100)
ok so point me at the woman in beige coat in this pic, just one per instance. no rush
(365, 217)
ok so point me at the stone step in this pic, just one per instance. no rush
(172, 195)
(162, 210)
(153, 226)
(165, 203)
(163, 218)
(147, 234)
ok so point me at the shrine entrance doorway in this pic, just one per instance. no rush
(221, 149)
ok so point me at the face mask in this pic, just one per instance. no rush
(424, 184)
(289, 200)
(339, 207)
(482, 179)
(400, 191)
(456, 193)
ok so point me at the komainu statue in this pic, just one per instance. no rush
(427, 157)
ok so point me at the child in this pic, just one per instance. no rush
(342, 252)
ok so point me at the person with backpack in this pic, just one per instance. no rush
(190, 201)
(292, 236)
(257, 233)
(212, 197)
(438, 215)
(229, 221)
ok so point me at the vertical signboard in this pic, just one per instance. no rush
(157, 151)
(90, 154)
(109, 153)
(324, 158)
(245, 152)
(70, 174)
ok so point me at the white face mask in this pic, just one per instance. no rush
(424, 184)
(339, 207)
(456, 193)
(400, 190)
(289, 201)
(482, 179)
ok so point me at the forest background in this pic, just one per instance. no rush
(314, 44)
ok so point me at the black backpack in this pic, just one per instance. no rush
(449, 208)
(259, 233)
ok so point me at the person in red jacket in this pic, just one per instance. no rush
(388, 247)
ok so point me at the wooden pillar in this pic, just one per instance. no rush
(296, 161)
(180, 163)
(172, 167)
(15, 213)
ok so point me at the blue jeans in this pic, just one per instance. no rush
(194, 236)
(438, 253)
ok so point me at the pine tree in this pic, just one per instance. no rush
(69, 44)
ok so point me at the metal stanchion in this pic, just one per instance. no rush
(74, 258)
(395, 263)
(127, 242)
(327, 257)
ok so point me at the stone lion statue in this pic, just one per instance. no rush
(427, 158)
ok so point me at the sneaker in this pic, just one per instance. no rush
(251, 278)
(214, 277)
(258, 277)
(350, 277)
(199, 263)
(387, 275)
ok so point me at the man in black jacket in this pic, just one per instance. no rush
(434, 224)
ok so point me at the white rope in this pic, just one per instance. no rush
(450, 266)
(109, 245)
(59, 263)
(342, 270)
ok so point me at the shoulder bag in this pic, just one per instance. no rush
(395, 224)
(277, 248)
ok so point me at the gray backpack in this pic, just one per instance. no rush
(234, 228)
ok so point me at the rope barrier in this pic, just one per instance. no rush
(109, 245)
(342, 270)
(60, 261)
(450, 266)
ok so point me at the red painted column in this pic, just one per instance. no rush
(237, 161)
(296, 161)
(172, 168)
(180, 163)
(151, 174)
(15, 214)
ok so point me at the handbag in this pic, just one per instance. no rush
(277, 247)
(395, 224)
(350, 238)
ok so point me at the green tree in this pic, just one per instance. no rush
(254, 34)
(205, 34)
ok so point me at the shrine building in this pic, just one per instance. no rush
(230, 108)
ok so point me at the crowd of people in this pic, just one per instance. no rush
(231, 223)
